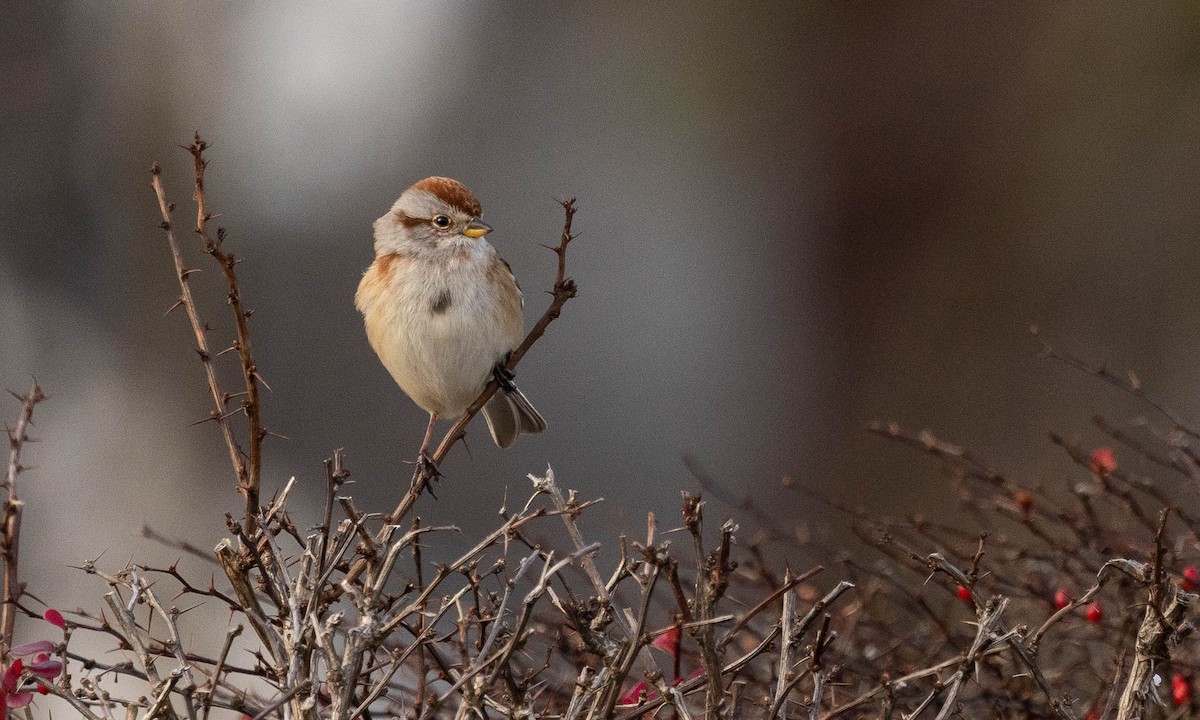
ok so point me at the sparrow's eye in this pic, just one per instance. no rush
(441, 221)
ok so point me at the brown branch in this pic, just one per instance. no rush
(1152, 648)
(13, 589)
(768, 600)
(218, 413)
(783, 686)
(1129, 383)
(248, 600)
(250, 481)
(988, 627)
(211, 687)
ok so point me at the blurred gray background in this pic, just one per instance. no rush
(794, 219)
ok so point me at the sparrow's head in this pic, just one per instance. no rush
(436, 213)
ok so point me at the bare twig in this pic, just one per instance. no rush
(985, 635)
(1154, 637)
(250, 479)
(13, 588)
(199, 329)
(218, 667)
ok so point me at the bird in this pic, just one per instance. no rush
(443, 310)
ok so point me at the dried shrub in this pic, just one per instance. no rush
(1025, 602)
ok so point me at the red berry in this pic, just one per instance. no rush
(42, 689)
(1095, 612)
(1191, 578)
(1062, 598)
(1181, 689)
(964, 594)
(1103, 461)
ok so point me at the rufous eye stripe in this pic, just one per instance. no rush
(407, 220)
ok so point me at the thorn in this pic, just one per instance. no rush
(187, 271)
(260, 378)
(231, 348)
(177, 304)
(231, 413)
(165, 225)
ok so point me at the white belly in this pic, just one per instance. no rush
(441, 357)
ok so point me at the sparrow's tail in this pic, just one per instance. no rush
(509, 414)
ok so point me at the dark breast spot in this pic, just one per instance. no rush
(441, 303)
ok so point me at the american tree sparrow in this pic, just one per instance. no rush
(443, 310)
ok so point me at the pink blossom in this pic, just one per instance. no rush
(46, 669)
(38, 646)
(9, 697)
(44, 666)
(54, 617)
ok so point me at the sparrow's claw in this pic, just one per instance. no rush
(504, 377)
(427, 472)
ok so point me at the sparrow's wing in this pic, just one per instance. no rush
(514, 280)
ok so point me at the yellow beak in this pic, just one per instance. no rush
(477, 229)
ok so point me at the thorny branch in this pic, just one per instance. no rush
(246, 467)
(352, 617)
(251, 480)
(13, 507)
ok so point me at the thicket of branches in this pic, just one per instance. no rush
(1070, 603)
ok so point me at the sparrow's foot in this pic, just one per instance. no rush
(427, 472)
(504, 377)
